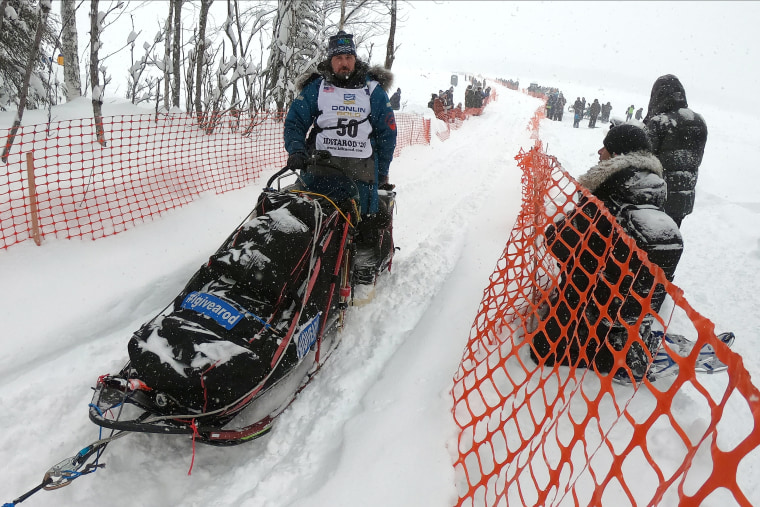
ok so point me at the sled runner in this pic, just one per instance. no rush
(252, 325)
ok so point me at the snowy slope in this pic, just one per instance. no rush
(75, 305)
(374, 428)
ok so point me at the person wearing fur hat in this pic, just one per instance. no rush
(628, 182)
(678, 136)
(345, 104)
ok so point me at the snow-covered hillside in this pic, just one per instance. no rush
(374, 428)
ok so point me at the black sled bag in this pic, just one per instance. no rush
(249, 315)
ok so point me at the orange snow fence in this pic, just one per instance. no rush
(538, 435)
(60, 182)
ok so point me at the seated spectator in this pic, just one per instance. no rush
(439, 109)
(628, 181)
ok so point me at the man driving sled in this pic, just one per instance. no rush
(343, 105)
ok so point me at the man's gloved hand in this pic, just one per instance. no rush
(297, 160)
(383, 183)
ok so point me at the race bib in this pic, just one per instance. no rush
(345, 121)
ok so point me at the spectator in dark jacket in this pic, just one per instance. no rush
(628, 181)
(561, 101)
(606, 109)
(396, 100)
(468, 96)
(478, 97)
(578, 112)
(678, 136)
(594, 110)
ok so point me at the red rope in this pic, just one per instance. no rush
(195, 434)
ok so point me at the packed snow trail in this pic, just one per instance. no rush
(451, 195)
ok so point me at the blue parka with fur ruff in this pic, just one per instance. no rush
(304, 112)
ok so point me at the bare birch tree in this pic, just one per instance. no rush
(176, 61)
(70, 50)
(390, 47)
(167, 68)
(200, 60)
(97, 90)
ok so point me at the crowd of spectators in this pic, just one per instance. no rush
(442, 103)
(475, 94)
(555, 105)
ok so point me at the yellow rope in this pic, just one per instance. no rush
(353, 203)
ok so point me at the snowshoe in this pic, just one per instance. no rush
(664, 365)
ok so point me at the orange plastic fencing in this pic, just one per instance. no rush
(412, 129)
(533, 434)
(59, 181)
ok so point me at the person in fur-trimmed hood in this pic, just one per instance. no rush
(345, 103)
(628, 181)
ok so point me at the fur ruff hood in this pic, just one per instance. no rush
(640, 160)
(377, 73)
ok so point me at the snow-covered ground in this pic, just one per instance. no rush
(374, 428)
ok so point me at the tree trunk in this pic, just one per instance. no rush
(167, 57)
(175, 51)
(30, 61)
(200, 53)
(70, 50)
(231, 11)
(390, 50)
(97, 92)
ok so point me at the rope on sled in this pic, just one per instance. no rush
(337, 208)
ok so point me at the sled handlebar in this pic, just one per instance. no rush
(276, 175)
(320, 157)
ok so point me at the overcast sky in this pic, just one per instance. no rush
(709, 45)
(713, 47)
